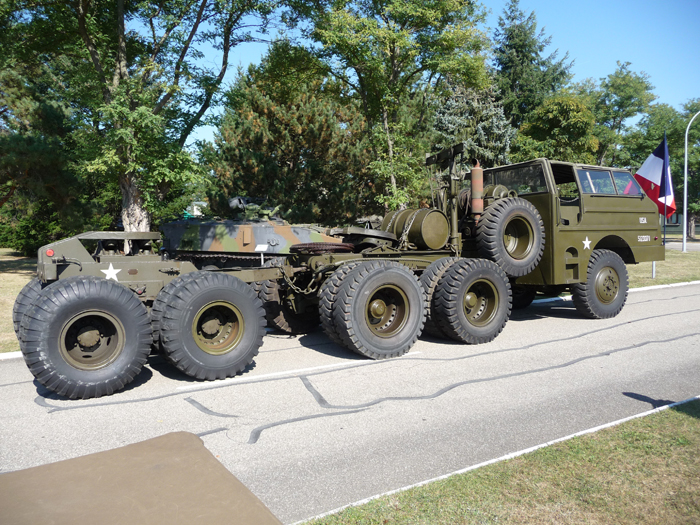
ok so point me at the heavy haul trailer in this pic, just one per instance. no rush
(494, 239)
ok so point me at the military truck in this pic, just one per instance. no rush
(89, 321)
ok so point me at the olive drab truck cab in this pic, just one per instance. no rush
(492, 240)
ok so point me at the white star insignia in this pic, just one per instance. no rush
(586, 244)
(111, 272)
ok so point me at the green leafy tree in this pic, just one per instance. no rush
(561, 128)
(390, 54)
(293, 146)
(524, 75)
(133, 75)
(619, 97)
(476, 118)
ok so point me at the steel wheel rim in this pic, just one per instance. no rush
(218, 327)
(518, 238)
(386, 311)
(92, 340)
(607, 285)
(480, 302)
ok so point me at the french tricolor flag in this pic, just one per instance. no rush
(655, 178)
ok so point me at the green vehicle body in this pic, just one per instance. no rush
(560, 225)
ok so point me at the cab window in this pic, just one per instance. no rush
(626, 185)
(596, 181)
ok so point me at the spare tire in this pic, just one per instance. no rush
(511, 234)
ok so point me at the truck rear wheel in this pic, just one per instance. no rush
(85, 337)
(473, 301)
(379, 310)
(604, 293)
(326, 300)
(212, 326)
(429, 280)
(511, 233)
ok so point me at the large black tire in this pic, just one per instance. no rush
(212, 326)
(604, 293)
(473, 301)
(26, 297)
(327, 300)
(522, 296)
(161, 303)
(429, 280)
(380, 309)
(511, 234)
(85, 337)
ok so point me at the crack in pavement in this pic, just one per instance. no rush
(325, 404)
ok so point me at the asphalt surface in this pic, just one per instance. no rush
(313, 427)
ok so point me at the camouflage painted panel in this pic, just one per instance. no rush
(240, 237)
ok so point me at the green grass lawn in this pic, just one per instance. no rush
(644, 471)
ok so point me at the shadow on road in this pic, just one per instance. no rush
(691, 409)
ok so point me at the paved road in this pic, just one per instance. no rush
(312, 428)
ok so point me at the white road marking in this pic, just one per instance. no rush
(497, 460)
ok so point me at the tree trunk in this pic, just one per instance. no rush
(390, 147)
(135, 218)
(691, 225)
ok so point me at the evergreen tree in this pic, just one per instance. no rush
(294, 146)
(474, 117)
(523, 75)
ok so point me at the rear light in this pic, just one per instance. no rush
(49, 252)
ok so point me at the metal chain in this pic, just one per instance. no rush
(406, 228)
(388, 226)
(309, 289)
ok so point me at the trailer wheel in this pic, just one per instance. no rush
(85, 337)
(473, 301)
(380, 309)
(429, 280)
(327, 300)
(522, 296)
(511, 233)
(26, 297)
(161, 303)
(604, 293)
(212, 326)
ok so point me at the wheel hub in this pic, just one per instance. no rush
(387, 311)
(88, 337)
(378, 308)
(218, 328)
(481, 302)
(607, 285)
(92, 340)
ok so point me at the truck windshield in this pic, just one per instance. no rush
(523, 179)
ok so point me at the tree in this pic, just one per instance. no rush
(134, 73)
(620, 96)
(293, 145)
(388, 53)
(476, 118)
(524, 76)
(561, 128)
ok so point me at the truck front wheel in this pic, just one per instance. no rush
(604, 293)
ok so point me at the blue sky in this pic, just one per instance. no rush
(661, 39)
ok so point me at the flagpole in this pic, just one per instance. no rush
(685, 186)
